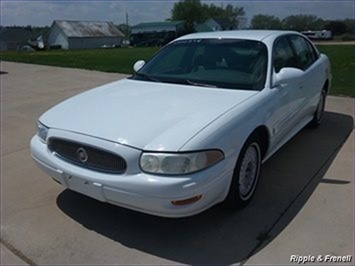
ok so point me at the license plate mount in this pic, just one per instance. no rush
(86, 187)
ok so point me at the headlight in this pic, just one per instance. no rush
(42, 131)
(179, 163)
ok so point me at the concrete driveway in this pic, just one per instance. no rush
(304, 204)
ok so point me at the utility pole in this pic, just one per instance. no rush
(127, 31)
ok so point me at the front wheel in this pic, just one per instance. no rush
(318, 114)
(246, 175)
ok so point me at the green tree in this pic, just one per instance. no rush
(350, 25)
(265, 22)
(233, 14)
(211, 11)
(303, 23)
(194, 12)
(317, 24)
(189, 10)
(337, 27)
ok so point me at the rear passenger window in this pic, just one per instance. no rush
(283, 55)
(305, 56)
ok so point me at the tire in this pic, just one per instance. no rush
(318, 114)
(246, 174)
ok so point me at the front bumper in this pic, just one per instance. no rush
(134, 189)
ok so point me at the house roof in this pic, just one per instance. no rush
(88, 28)
(223, 22)
(159, 24)
(203, 28)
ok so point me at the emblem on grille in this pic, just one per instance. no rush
(82, 155)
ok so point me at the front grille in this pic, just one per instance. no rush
(88, 156)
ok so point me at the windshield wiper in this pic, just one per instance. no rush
(147, 77)
(189, 82)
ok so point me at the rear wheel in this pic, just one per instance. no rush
(246, 174)
(318, 114)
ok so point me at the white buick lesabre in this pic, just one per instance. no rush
(191, 127)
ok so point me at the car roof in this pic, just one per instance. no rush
(257, 35)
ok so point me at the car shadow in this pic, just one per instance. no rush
(219, 235)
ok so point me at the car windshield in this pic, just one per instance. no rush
(216, 63)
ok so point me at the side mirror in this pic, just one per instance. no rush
(287, 75)
(138, 65)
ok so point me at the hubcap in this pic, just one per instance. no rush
(249, 171)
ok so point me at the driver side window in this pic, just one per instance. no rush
(283, 55)
(303, 52)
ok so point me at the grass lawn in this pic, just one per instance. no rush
(122, 60)
(107, 60)
(342, 60)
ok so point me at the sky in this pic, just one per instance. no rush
(42, 13)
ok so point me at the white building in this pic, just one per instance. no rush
(318, 34)
(84, 34)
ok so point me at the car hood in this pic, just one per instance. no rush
(144, 115)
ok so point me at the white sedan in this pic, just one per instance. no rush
(191, 127)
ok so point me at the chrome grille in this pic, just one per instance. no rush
(96, 158)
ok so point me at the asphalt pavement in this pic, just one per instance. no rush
(303, 208)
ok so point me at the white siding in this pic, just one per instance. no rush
(211, 23)
(57, 37)
(84, 35)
